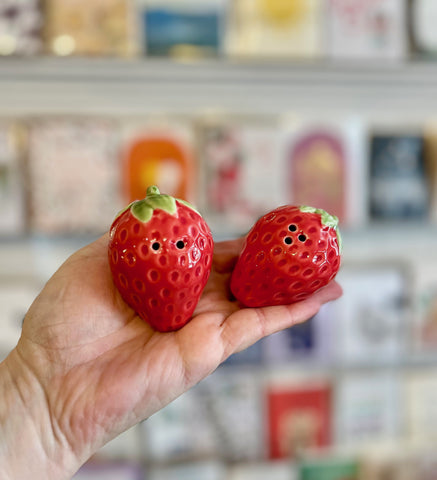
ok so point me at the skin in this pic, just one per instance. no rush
(86, 367)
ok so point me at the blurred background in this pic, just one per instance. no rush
(240, 106)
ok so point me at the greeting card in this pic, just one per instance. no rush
(20, 27)
(275, 28)
(299, 417)
(80, 27)
(368, 408)
(329, 467)
(192, 28)
(420, 394)
(398, 180)
(422, 16)
(324, 166)
(369, 29)
(73, 172)
(158, 152)
(241, 171)
(373, 312)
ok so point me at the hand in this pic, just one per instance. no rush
(90, 367)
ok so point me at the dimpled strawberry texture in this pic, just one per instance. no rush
(178, 261)
(287, 256)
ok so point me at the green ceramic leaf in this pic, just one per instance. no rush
(143, 209)
(327, 219)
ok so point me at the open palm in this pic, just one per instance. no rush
(103, 369)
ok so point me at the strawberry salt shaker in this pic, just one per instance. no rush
(160, 255)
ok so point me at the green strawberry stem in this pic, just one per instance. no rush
(143, 209)
(326, 219)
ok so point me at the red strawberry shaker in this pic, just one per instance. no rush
(160, 255)
(288, 254)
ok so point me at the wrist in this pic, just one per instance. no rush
(30, 444)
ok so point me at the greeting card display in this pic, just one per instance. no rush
(191, 28)
(12, 205)
(299, 417)
(82, 192)
(158, 153)
(274, 28)
(374, 29)
(21, 25)
(398, 182)
(80, 27)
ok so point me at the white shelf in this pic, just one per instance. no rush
(47, 85)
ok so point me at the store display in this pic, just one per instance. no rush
(78, 27)
(325, 167)
(158, 152)
(275, 29)
(21, 27)
(299, 416)
(288, 254)
(82, 193)
(376, 346)
(160, 254)
(368, 408)
(398, 183)
(372, 315)
(192, 28)
(374, 29)
(12, 186)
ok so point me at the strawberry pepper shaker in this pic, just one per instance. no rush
(288, 254)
